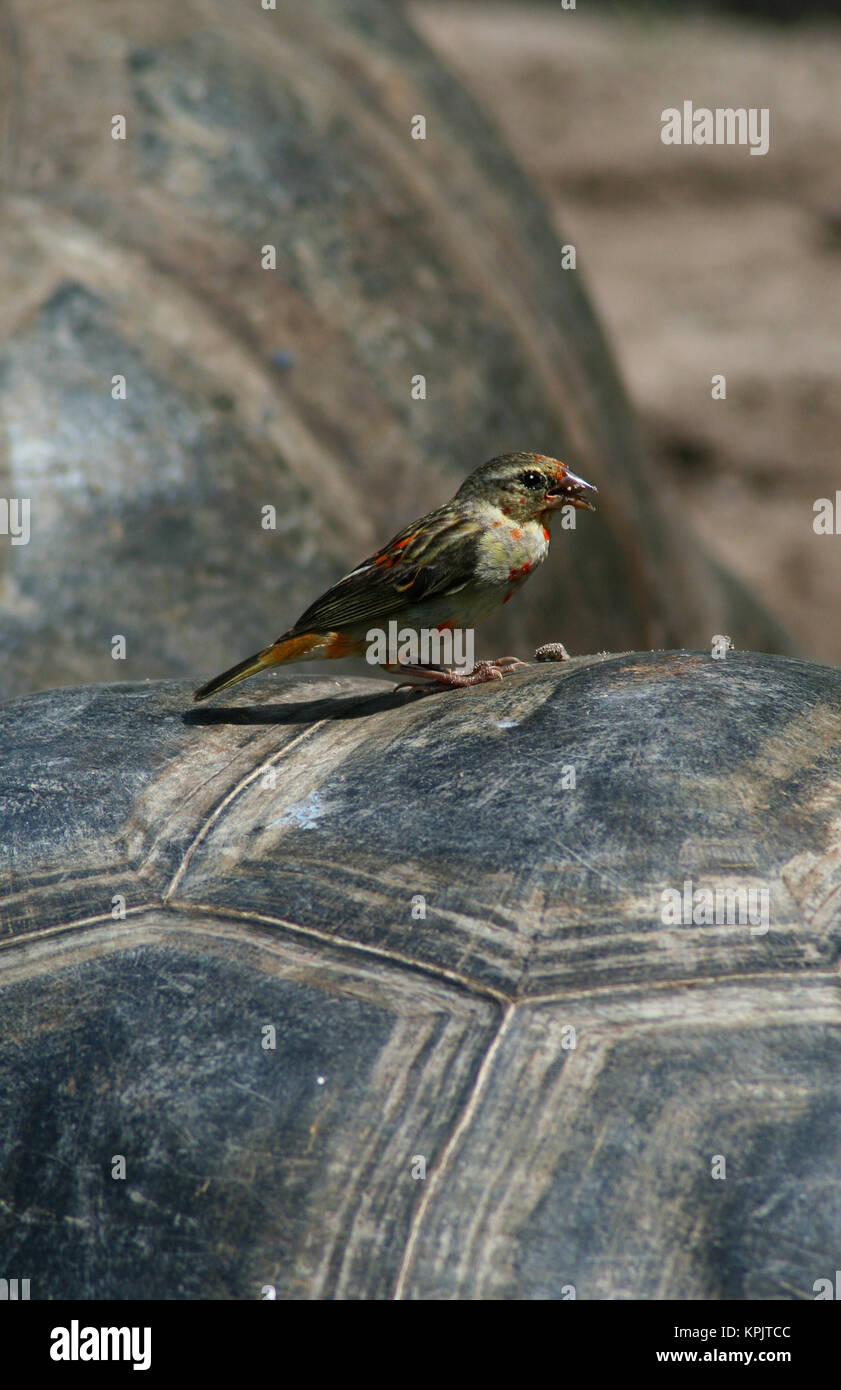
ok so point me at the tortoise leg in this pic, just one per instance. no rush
(440, 677)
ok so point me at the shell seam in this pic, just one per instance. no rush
(231, 796)
(440, 1167)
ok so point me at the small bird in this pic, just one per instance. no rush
(448, 570)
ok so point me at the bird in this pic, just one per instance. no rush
(447, 571)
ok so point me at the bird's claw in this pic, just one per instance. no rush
(438, 678)
(504, 664)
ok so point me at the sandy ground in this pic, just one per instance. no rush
(700, 260)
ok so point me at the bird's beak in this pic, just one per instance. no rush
(568, 488)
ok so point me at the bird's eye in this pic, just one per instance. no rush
(531, 478)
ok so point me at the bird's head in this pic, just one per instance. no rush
(527, 486)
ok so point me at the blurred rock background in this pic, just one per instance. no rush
(291, 388)
(701, 260)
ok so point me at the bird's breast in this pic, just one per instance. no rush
(508, 554)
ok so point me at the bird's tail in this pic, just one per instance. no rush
(284, 649)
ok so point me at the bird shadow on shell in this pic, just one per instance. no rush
(305, 711)
(333, 707)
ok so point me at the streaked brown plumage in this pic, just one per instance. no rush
(449, 569)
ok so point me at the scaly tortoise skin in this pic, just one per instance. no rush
(269, 853)
(249, 388)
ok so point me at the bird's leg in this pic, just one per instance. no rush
(440, 677)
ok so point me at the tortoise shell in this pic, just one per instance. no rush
(379, 997)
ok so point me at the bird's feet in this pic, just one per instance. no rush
(444, 678)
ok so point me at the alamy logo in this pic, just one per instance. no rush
(726, 125)
(14, 519)
(14, 1288)
(75, 1343)
(720, 907)
(425, 646)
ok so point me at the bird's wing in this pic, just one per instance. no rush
(435, 556)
